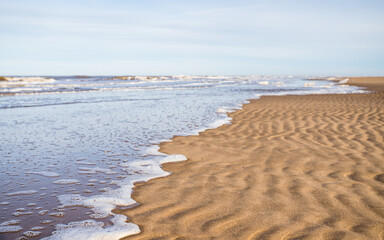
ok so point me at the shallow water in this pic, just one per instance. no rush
(72, 147)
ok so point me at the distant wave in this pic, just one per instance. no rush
(6, 81)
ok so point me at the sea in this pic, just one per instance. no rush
(72, 147)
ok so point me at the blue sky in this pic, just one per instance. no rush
(161, 37)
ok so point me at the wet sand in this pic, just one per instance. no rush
(288, 167)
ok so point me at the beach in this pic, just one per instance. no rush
(191, 120)
(287, 167)
(81, 142)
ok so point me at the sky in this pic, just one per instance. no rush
(192, 37)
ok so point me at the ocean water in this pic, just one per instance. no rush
(73, 146)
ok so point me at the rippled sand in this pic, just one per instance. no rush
(289, 167)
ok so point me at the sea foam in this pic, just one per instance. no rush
(93, 230)
(26, 192)
(66, 181)
(45, 174)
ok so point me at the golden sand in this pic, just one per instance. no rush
(288, 167)
(371, 83)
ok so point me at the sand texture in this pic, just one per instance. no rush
(288, 167)
(371, 83)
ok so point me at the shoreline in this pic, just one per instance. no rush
(166, 213)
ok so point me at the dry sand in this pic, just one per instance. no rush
(288, 167)
(371, 83)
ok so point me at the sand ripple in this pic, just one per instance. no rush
(289, 167)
